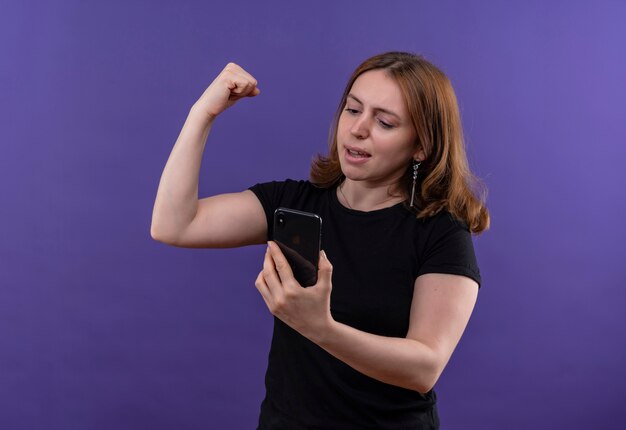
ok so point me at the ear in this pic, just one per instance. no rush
(419, 154)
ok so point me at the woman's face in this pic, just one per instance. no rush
(376, 140)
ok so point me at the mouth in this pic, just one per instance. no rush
(356, 153)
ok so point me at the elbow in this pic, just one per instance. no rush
(159, 236)
(154, 233)
(424, 385)
(428, 376)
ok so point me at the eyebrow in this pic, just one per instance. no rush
(379, 109)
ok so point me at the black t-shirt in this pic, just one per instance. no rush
(376, 258)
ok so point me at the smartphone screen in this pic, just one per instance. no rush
(299, 235)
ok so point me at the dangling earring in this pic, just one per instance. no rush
(416, 165)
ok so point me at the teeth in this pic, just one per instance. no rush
(357, 153)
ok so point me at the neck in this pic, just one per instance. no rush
(358, 196)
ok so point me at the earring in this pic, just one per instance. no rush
(416, 165)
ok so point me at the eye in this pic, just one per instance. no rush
(351, 111)
(384, 124)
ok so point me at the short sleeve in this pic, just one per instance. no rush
(274, 194)
(449, 249)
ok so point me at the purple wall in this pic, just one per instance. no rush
(102, 328)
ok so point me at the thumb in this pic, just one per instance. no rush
(325, 269)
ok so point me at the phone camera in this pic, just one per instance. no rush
(281, 219)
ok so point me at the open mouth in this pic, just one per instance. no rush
(357, 154)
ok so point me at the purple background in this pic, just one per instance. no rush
(101, 327)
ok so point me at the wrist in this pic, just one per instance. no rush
(324, 332)
(199, 114)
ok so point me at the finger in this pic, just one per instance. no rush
(239, 82)
(234, 72)
(270, 275)
(261, 286)
(244, 91)
(325, 270)
(240, 87)
(280, 262)
(245, 75)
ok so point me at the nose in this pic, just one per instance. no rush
(360, 127)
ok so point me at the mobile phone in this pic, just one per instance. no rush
(299, 236)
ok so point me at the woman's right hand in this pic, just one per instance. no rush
(232, 84)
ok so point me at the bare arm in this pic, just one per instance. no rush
(441, 308)
(179, 218)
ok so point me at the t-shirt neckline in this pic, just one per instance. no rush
(335, 201)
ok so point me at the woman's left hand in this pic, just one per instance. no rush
(306, 310)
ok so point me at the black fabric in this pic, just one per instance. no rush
(376, 258)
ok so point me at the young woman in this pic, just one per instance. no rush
(364, 347)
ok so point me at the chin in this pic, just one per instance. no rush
(347, 171)
(352, 175)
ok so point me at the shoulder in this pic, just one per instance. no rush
(445, 245)
(285, 185)
(443, 223)
(284, 191)
(294, 194)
